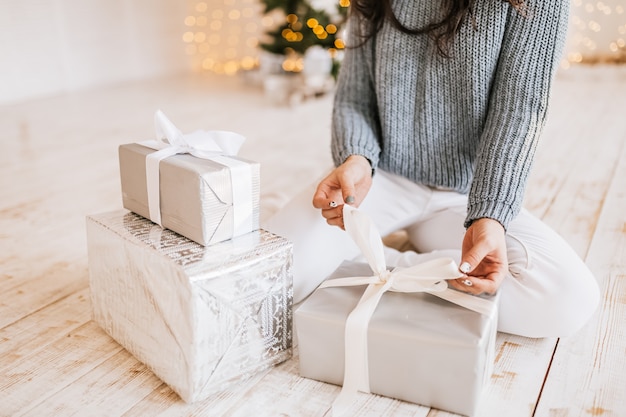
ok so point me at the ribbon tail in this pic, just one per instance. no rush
(349, 282)
(342, 403)
(165, 129)
(153, 182)
(468, 301)
(441, 268)
(356, 372)
(364, 233)
(228, 142)
(156, 234)
(242, 193)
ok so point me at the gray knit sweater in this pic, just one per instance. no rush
(468, 123)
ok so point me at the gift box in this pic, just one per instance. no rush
(400, 333)
(202, 318)
(192, 184)
(421, 348)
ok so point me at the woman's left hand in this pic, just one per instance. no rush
(483, 258)
(349, 183)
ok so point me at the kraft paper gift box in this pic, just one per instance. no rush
(193, 184)
(202, 318)
(418, 347)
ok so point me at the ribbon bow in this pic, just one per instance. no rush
(215, 145)
(425, 277)
(201, 144)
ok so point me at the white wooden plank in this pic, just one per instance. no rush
(562, 141)
(164, 402)
(308, 398)
(36, 331)
(520, 367)
(38, 376)
(576, 158)
(282, 392)
(90, 395)
(161, 398)
(578, 202)
(588, 375)
(53, 284)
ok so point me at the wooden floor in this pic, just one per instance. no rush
(59, 163)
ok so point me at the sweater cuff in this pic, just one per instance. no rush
(496, 210)
(341, 156)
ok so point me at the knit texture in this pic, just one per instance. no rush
(470, 122)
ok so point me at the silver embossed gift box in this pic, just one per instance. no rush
(197, 197)
(202, 318)
(421, 349)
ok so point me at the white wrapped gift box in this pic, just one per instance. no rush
(400, 333)
(201, 318)
(421, 349)
(193, 184)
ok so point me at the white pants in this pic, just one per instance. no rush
(549, 292)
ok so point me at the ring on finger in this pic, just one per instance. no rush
(467, 282)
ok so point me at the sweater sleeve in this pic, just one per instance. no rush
(531, 48)
(355, 123)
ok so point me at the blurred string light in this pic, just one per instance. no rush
(597, 33)
(223, 36)
(303, 24)
(293, 34)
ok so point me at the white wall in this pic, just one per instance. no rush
(55, 46)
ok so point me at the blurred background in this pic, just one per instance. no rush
(289, 47)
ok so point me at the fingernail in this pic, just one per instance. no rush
(467, 282)
(350, 199)
(465, 267)
(332, 204)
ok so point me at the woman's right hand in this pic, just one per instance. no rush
(349, 183)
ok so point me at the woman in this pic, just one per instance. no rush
(437, 115)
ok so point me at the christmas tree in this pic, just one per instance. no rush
(306, 23)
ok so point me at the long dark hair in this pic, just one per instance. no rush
(375, 12)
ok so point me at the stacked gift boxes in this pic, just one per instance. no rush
(204, 301)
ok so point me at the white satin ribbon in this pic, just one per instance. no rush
(214, 145)
(425, 277)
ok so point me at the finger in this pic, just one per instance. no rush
(475, 285)
(348, 192)
(326, 191)
(336, 221)
(491, 283)
(465, 284)
(327, 201)
(332, 213)
(348, 189)
(320, 198)
(349, 195)
(471, 258)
